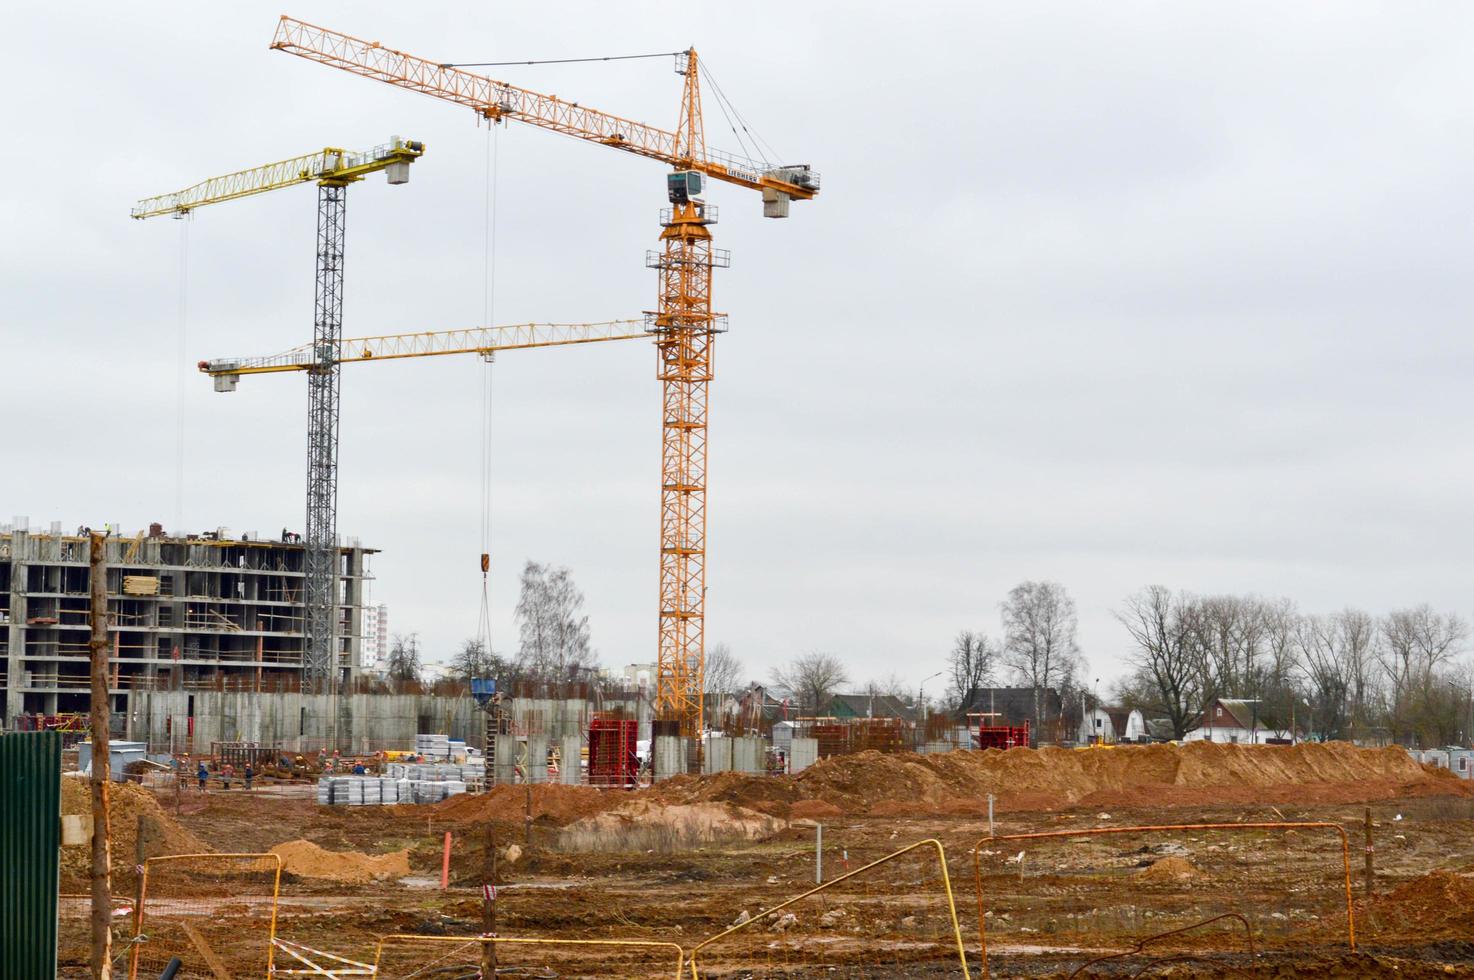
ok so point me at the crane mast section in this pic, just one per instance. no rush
(328, 165)
(497, 100)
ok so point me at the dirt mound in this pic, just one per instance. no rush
(1142, 775)
(304, 858)
(1440, 903)
(765, 794)
(551, 803)
(1169, 869)
(126, 803)
(813, 810)
(645, 824)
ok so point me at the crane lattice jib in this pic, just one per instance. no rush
(431, 343)
(497, 100)
(330, 165)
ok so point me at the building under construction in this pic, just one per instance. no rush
(208, 611)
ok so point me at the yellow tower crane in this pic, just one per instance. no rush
(332, 170)
(684, 325)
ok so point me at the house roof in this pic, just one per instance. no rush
(1013, 704)
(868, 706)
(1237, 713)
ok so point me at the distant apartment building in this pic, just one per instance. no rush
(375, 646)
(208, 611)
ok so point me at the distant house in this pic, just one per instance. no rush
(755, 710)
(1014, 706)
(1110, 725)
(845, 706)
(1231, 720)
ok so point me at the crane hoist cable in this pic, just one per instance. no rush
(181, 370)
(488, 305)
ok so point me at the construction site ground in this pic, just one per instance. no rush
(687, 859)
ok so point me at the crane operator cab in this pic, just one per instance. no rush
(683, 186)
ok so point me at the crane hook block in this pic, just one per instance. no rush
(485, 563)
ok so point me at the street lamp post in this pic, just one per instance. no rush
(921, 699)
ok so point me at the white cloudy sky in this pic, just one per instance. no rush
(1106, 293)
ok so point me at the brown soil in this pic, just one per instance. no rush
(1168, 869)
(1194, 774)
(551, 803)
(307, 860)
(1440, 903)
(126, 803)
(813, 810)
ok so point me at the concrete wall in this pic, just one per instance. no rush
(717, 756)
(569, 770)
(537, 758)
(297, 722)
(670, 755)
(804, 753)
(748, 753)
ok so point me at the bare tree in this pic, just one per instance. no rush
(404, 658)
(1165, 652)
(723, 670)
(1039, 626)
(970, 668)
(811, 680)
(554, 636)
(473, 660)
(1415, 644)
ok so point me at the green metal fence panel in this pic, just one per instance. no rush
(30, 849)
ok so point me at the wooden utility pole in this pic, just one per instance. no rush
(488, 902)
(102, 900)
(1369, 852)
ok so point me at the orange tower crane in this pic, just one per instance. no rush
(684, 324)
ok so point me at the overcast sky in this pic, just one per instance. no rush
(1110, 294)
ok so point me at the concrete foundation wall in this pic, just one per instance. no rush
(537, 758)
(670, 755)
(803, 753)
(748, 754)
(717, 756)
(569, 769)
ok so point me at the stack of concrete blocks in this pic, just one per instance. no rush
(670, 755)
(433, 747)
(569, 766)
(375, 790)
(436, 772)
(803, 752)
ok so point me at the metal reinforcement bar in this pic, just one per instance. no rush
(977, 863)
(946, 884)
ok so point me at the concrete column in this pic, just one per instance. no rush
(670, 755)
(804, 753)
(570, 771)
(718, 755)
(747, 753)
(537, 758)
(16, 631)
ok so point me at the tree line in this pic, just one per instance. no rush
(1342, 675)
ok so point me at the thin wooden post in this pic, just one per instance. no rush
(102, 892)
(1369, 853)
(140, 855)
(527, 820)
(445, 864)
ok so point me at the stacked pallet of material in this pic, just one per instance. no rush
(433, 746)
(375, 790)
(434, 772)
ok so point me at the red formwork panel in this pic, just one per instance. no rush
(1002, 736)
(612, 752)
